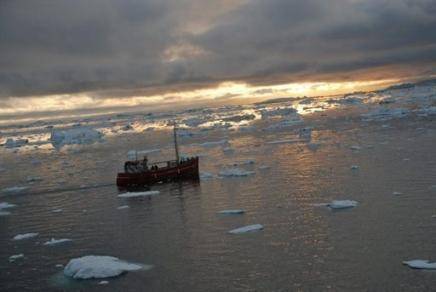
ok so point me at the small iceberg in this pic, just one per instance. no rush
(57, 210)
(235, 172)
(25, 236)
(138, 194)
(342, 204)
(231, 212)
(78, 135)
(249, 228)
(95, 267)
(57, 241)
(420, 264)
(123, 207)
(15, 257)
(11, 143)
(354, 167)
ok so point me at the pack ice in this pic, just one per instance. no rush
(94, 267)
(78, 135)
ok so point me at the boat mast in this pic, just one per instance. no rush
(176, 147)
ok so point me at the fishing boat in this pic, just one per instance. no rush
(139, 173)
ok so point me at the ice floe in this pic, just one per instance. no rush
(206, 175)
(25, 236)
(6, 205)
(57, 210)
(284, 141)
(79, 135)
(14, 190)
(342, 204)
(103, 282)
(235, 172)
(95, 267)
(284, 124)
(420, 264)
(57, 241)
(384, 114)
(123, 207)
(231, 212)
(354, 167)
(11, 143)
(249, 228)
(138, 194)
(214, 143)
(15, 257)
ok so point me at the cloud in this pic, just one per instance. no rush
(128, 46)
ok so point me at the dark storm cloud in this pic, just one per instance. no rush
(68, 46)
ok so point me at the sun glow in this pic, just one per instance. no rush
(225, 91)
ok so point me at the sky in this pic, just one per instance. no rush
(58, 55)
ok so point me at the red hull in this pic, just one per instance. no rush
(186, 170)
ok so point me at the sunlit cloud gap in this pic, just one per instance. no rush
(224, 91)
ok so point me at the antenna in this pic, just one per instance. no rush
(176, 147)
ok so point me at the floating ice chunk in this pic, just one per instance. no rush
(285, 111)
(25, 236)
(57, 210)
(420, 264)
(14, 190)
(214, 143)
(89, 267)
(127, 127)
(57, 241)
(384, 114)
(11, 143)
(354, 167)
(284, 141)
(123, 207)
(342, 204)
(103, 282)
(244, 162)
(59, 266)
(262, 167)
(228, 150)
(33, 179)
(79, 135)
(15, 257)
(6, 205)
(396, 193)
(232, 212)
(206, 175)
(229, 172)
(249, 228)
(138, 194)
(355, 147)
(313, 146)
